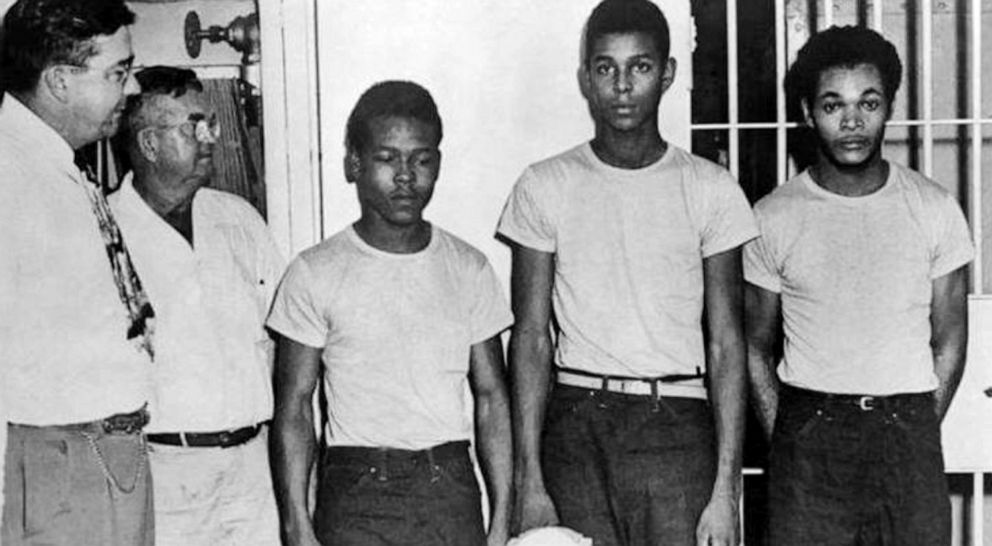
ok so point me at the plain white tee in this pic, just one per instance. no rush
(396, 332)
(855, 276)
(629, 246)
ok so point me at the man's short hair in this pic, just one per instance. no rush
(847, 47)
(40, 33)
(625, 17)
(402, 99)
(156, 81)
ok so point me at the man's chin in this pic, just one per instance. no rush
(109, 128)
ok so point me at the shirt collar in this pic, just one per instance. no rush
(37, 139)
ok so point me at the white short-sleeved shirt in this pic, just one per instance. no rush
(629, 247)
(855, 275)
(64, 353)
(396, 332)
(212, 354)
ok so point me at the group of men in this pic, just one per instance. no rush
(645, 297)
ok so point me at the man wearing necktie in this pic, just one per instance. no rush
(76, 339)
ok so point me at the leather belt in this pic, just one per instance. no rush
(222, 439)
(119, 423)
(861, 402)
(382, 456)
(643, 386)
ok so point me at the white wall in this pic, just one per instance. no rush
(158, 36)
(504, 76)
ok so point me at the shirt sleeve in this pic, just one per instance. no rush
(490, 309)
(729, 221)
(954, 247)
(295, 312)
(759, 268)
(526, 217)
(268, 261)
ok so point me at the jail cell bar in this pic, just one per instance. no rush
(784, 51)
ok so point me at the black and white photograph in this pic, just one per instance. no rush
(496, 273)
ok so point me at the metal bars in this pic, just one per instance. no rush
(977, 267)
(976, 121)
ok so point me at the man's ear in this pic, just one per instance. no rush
(582, 75)
(807, 113)
(352, 165)
(437, 172)
(56, 81)
(668, 76)
(148, 144)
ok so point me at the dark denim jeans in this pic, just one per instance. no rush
(396, 497)
(841, 475)
(628, 470)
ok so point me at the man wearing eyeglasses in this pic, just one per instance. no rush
(211, 267)
(76, 343)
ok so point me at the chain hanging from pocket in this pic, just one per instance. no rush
(141, 452)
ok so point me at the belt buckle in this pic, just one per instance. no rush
(866, 403)
(125, 423)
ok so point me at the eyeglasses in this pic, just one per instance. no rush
(118, 74)
(200, 128)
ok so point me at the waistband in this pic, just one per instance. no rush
(393, 456)
(665, 385)
(221, 438)
(859, 402)
(119, 423)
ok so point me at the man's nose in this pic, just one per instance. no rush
(131, 85)
(622, 81)
(404, 173)
(852, 119)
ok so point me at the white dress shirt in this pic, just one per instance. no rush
(212, 354)
(64, 353)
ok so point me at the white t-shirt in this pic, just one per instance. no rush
(629, 247)
(396, 332)
(64, 353)
(212, 354)
(855, 276)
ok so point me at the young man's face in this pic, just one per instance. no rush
(99, 89)
(396, 171)
(625, 77)
(848, 113)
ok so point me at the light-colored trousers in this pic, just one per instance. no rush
(208, 496)
(67, 487)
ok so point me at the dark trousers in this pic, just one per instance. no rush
(841, 474)
(396, 497)
(628, 470)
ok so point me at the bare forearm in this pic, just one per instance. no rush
(949, 367)
(495, 450)
(292, 454)
(727, 395)
(530, 373)
(949, 337)
(763, 320)
(764, 387)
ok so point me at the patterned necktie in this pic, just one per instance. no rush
(132, 295)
